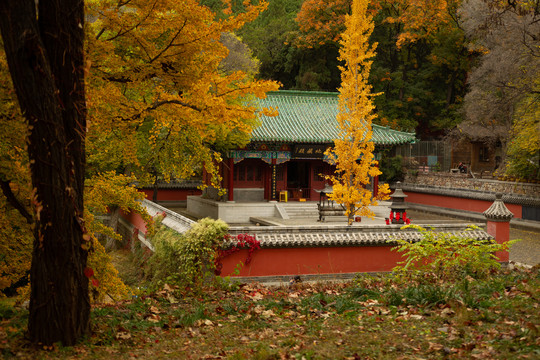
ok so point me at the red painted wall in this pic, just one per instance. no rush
(457, 203)
(136, 220)
(322, 260)
(171, 194)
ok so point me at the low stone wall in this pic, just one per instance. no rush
(230, 212)
(133, 226)
(300, 250)
(462, 181)
(318, 250)
(450, 190)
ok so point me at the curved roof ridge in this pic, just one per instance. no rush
(391, 130)
(305, 93)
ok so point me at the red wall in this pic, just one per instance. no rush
(171, 194)
(322, 260)
(457, 203)
(136, 220)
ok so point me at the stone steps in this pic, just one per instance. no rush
(301, 210)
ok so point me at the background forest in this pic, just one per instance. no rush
(442, 67)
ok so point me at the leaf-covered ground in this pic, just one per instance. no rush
(369, 318)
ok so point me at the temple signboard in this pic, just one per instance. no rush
(309, 151)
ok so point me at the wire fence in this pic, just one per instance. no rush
(427, 156)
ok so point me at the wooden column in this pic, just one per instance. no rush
(231, 180)
(273, 194)
(375, 185)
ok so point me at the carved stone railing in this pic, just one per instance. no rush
(172, 220)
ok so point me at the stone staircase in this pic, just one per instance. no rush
(301, 210)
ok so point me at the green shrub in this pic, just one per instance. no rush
(184, 259)
(423, 294)
(446, 256)
(392, 168)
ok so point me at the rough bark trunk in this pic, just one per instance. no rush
(112, 243)
(155, 190)
(46, 61)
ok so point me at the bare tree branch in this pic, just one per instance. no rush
(170, 44)
(13, 201)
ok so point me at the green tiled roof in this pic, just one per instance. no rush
(310, 117)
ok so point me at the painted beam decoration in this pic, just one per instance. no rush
(266, 156)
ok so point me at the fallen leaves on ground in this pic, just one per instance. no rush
(304, 321)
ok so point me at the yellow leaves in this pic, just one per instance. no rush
(384, 192)
(15, 245)
(424, 18)
(158, 98)
(524, 144)
(108, 283)
(353, 152)
(110, 189)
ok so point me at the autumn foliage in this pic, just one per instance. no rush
(159, 106)
(421, 64)
(323, 21)
(353, 151)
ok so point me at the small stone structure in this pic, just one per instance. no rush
(398, 208)
(498, 224)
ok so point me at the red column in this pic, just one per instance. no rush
(267, 171)
(501, 232)
(273, 194)
(231, 180)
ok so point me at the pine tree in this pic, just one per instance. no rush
(353, 151)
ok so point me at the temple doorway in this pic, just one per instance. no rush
(298, 175)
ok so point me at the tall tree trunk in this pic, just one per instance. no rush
(450, 89)
(111, 243)
(46, 61)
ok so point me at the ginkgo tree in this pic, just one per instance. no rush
(353, 151)
(161, 104)
(524, 147)
(164, 102)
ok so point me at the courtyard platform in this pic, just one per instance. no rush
(294, 242)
